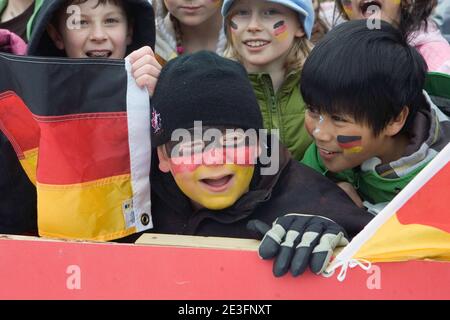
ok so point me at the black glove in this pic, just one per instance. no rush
(299, 239)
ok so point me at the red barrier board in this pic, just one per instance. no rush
(40, 269)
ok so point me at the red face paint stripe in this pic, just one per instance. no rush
(241, 156)
(279, 28)
(347, 142)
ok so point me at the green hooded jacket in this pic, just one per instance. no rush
(284, 110)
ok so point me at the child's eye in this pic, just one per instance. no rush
(234, 139)
(191, 147)
(338, 118)
(312, 112)
(83, 22)
(242, 13)
(271, 12)
(112, 20)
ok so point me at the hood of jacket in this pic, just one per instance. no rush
(41, 44)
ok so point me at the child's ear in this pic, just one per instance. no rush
(164, 162)
(299, 33)
(55, 36)
(396, 125)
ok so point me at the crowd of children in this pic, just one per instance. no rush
(346, 118)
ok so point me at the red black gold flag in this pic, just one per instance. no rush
(80, 129)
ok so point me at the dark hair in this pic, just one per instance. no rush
(412, 14)
(62, 11)
(367, 74)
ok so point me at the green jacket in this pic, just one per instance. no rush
(284, 110)
(379, 183)
(37, 5)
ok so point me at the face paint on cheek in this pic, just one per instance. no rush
(280, 30)
(216, 194)
(181, 165)
(233, 26)
(350, 144)
(216, 3)
(319, 124)
(347, 5)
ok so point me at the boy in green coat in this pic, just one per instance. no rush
(374, 128)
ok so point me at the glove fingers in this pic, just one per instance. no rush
(270, 244)
(283, 261)
(258, 227)
(287, 251)
(310, 238)
(323, 252)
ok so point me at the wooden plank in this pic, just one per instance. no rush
(198, 242)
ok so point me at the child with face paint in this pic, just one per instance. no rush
(413, 19)
(187, 26)
(374, 128)
(270, 38)
(208, 176)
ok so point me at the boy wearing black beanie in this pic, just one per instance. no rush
(214, 173)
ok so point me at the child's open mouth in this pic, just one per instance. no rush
(327, 154)
(256, 43)
(365, 5)
(99, 54)
(217, 184)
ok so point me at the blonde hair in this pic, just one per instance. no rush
(299, 51)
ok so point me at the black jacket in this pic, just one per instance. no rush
(294, 189)
(141, 12)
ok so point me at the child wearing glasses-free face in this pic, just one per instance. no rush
(374, 128)
(271, 40)
(98, 29)
(214, 169)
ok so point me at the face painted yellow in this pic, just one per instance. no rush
(215, 187)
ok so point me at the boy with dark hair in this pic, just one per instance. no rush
(374, 128)
(213, 174)
(99, 29)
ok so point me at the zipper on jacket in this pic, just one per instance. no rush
(273, 108)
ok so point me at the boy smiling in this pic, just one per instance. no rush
(374, 128)
(209, 180)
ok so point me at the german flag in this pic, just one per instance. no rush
(350, 144)
(80, 129)
(415, 225)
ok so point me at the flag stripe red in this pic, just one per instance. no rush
(87, 147)
(429, 205)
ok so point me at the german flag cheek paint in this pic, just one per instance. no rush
(350, 144)
(347, 6)
(280, 30)
(233, 25)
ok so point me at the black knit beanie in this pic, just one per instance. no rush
(202, 87)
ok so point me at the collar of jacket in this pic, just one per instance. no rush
(260, 191)
(261, 80)
(428, 136)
